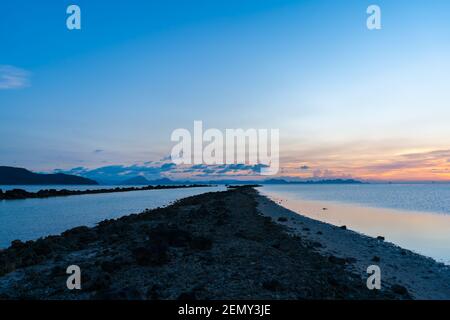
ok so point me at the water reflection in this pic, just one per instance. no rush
(422, 232)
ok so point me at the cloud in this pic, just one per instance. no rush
(437, 159)
(152, 171)
(117, 173)
(214, 171)
(13, 78)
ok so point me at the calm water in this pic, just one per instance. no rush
(60, 187)
(416, 197)
(33, 218)
(416, 217)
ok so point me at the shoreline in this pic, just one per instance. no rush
(424, 277)
(200, 247)
(20, 194)
(423, 232)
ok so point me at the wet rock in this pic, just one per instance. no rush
(98, 282)
(153, 293)
(282, 219)
(154, 254)
(272, 285)
(200, 243)
(17, 244)
(187, 296)
(337, 260)
(276, 245)
(58, 271)
(343, 227)
(172, 236)
(42, 247)
(333, 281)
(399, 289)
(381, 238)
(76, 231)
(111, 266)
(351, 260)
(316, 244)
(128, 293)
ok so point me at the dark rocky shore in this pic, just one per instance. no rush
(210, 246)
(18, 194)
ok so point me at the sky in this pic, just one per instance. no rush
(348, 101)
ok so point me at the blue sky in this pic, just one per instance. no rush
(348, 101)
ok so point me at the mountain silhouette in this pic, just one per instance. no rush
(19, 176)
(140, 180)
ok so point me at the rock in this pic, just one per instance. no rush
(154, 254)
(128, 293)
(58, 271)
(200, 243)
(99, 282)
(111, 266)
(343, 227)
(186, 296)
(337, 260)
(42, 247)
(376, 259)
(172, 236)
(399, 289)
(282, 219)
(276, 245)
(351, 260)
(316, 244)
(272, 285)
(153, 292)
(332, 280)
(380, 238)
(17, 244)
(76, 231)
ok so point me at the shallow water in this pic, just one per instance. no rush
(30, 219)
(416, 197)
(371, 210)
(36, 188)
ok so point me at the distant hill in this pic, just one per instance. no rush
(140, 180)
(325, 181)
(165, 181)
(18, 176)
(283, 181)
(136, 181)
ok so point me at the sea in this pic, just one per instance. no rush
(413, 216)
(31, 219)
